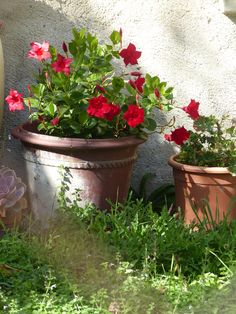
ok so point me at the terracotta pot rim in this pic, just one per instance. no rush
(25, 133)
(196, 169)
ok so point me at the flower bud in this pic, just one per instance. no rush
(55, 121)
(136, 73)
(121, 36)
(157, 93)
(64, 47)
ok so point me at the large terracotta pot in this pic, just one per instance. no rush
(198, 185)
(100, 168)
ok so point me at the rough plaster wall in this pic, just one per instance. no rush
(189, 43)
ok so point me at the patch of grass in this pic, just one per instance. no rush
(178, 261)
(130, 260)
(68, 270)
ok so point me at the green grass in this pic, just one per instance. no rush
(131, 258)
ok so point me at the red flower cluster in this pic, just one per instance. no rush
(179, 136)
(100, 108)
(192, 109)
(41, 52)
(134, 116)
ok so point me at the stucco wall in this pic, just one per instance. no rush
(189, 43)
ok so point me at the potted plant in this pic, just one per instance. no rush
(87, 114)
(204, 169)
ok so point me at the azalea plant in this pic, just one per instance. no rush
(82, 91)
(211, 142)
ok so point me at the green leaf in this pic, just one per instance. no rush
(83, 117)
(94, 43)
(117, 83)
(115, 37)
(73, 48)
(33, 116)
(169, 90)
(95, 77)
(76, 34)
(152, 125)
(34, 103)
(116, 54)
(162, 88)
(76, 126)
(148, 80)
(37, 90)
(130, 89)
(63, 110)
(155, 81)
(51, 108)
(53, 52)
(152, 98)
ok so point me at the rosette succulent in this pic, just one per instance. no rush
(12, 191)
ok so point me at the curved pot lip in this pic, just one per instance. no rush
(25, 134)
(196, 169)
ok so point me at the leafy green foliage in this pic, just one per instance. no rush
(92, 73)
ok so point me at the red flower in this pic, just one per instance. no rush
(138, 84)
(192, 109)
(134, 116)
(15, 100)
(130, 54)
(55, 121)
(99, 108)
(62, 64)
(39, 51)
(179, 136)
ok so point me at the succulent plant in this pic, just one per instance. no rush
(12, 191)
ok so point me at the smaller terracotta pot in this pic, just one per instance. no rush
(199, 186)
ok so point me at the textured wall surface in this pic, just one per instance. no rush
(191, 44)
